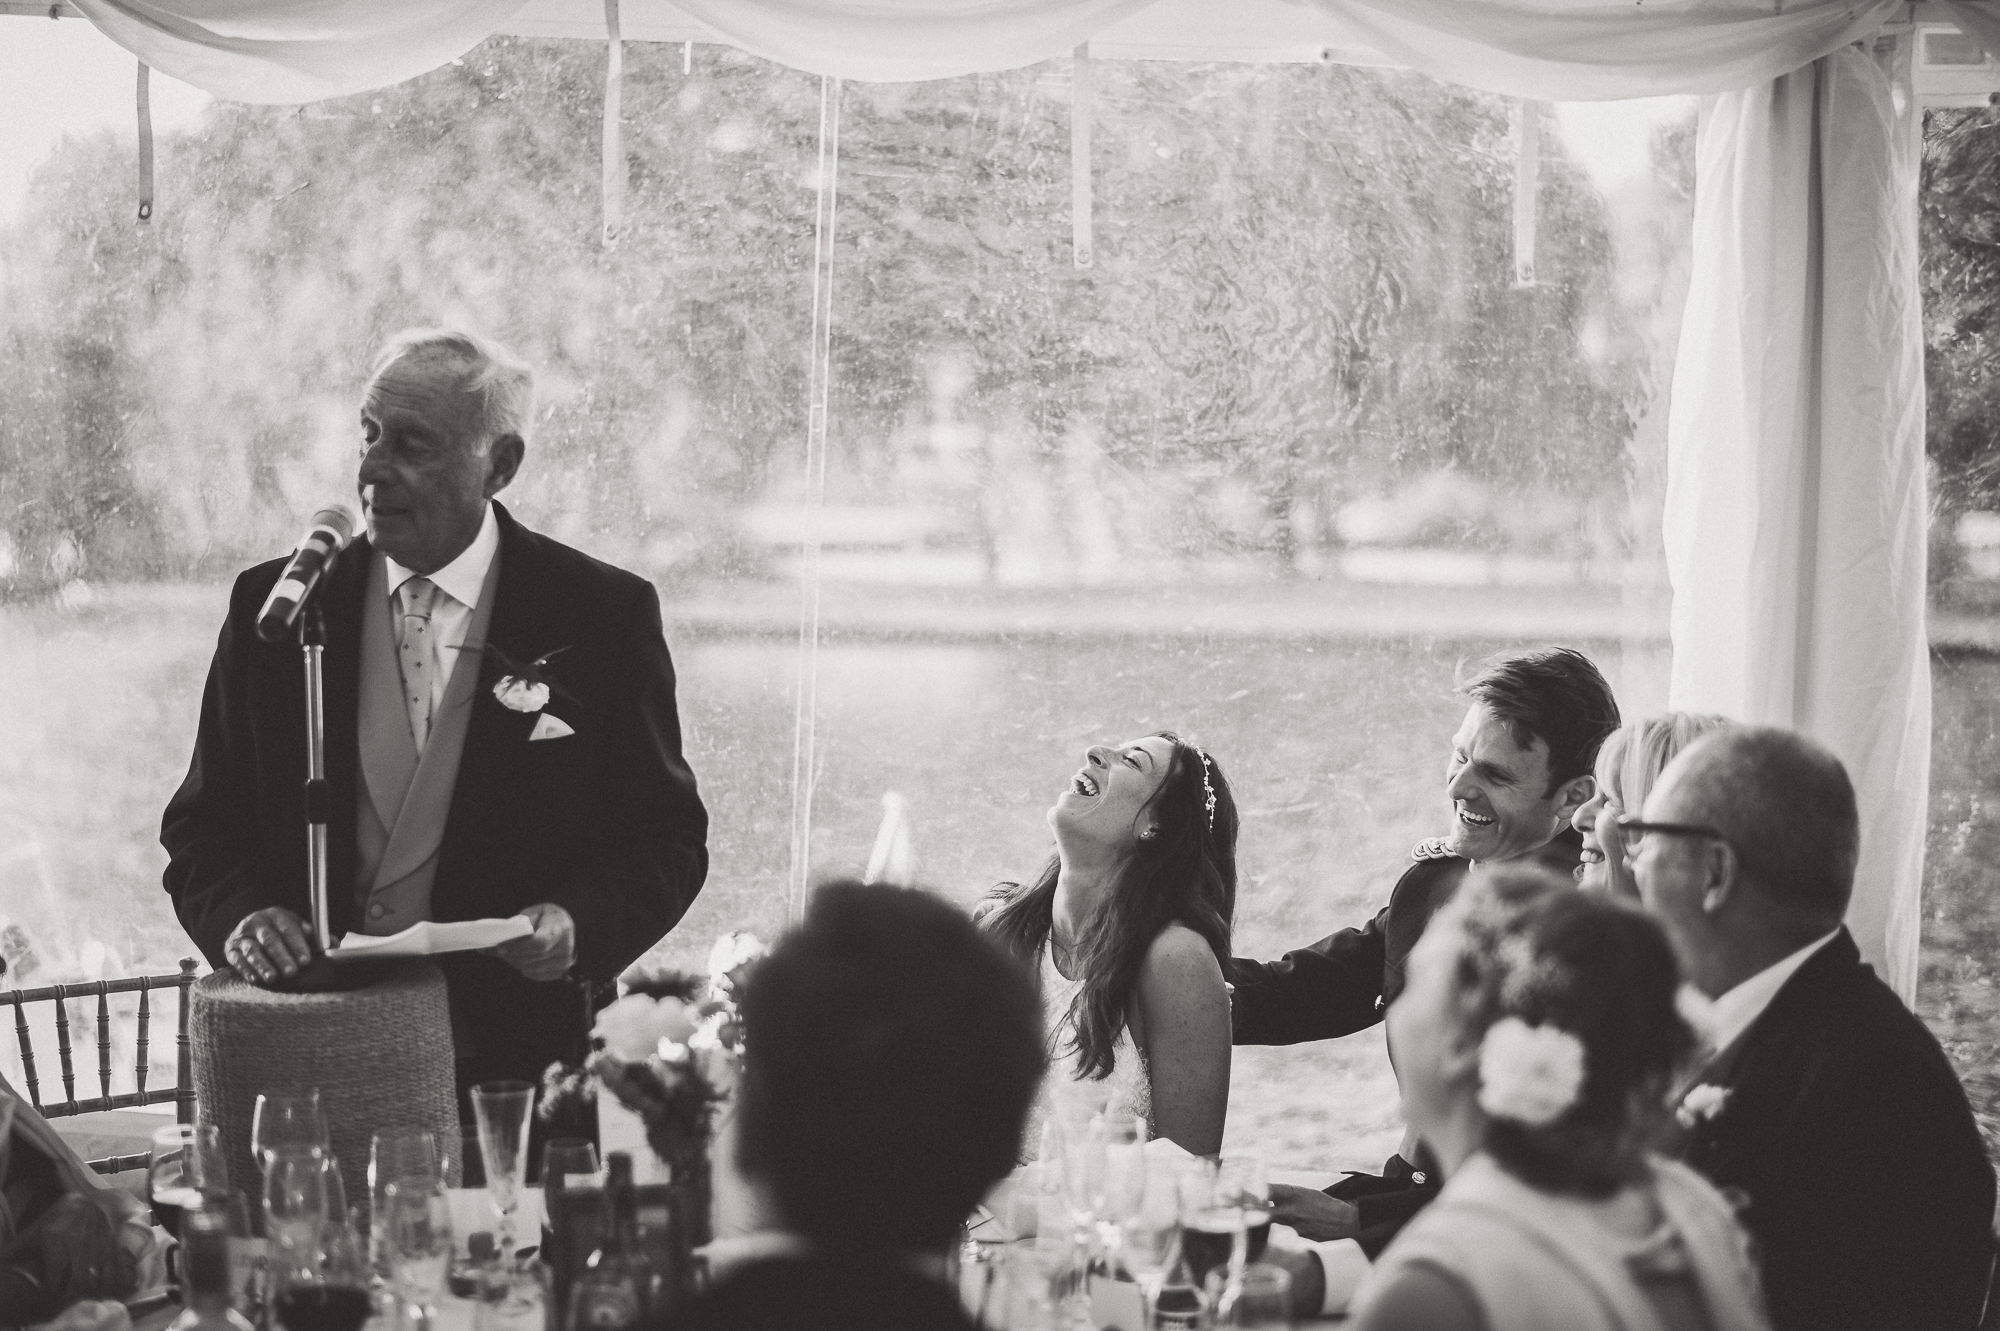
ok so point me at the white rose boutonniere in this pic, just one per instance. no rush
(1703, 1104)
(524, 688)
(519, 695)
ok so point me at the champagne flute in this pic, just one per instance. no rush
(419, 1245)
(394, 1154)
(185, 1169)
(322, 1284)
(502, 1109)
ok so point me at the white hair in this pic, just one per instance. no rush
(501, 381)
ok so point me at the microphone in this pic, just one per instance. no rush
(331, 530)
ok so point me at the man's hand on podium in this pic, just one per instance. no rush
(268, 946)
(547, 953)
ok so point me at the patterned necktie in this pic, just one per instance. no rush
(418, 595)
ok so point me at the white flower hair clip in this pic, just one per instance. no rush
(1530, 1075)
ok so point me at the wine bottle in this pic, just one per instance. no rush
(611, 1292)
(206, 1271)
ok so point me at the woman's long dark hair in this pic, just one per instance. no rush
(1184, 875)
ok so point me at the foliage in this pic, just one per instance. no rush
(1302, 289)
(1960, 245)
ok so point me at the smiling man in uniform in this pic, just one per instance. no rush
(1519, 766)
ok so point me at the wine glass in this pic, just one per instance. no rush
(319, 1281)
(284, 1120)
(394, 1154)
(1241, 1178)
(185, 1169)
(419, 1228)
(1212, 1220)
(295, 1200)
(563, 1159)
(502, 1109)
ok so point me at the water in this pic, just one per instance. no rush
(1335, 750)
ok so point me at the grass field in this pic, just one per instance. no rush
(1334, 749)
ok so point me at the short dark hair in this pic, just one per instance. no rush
(891, 1054)
(1531, 946)
(1787, 807)
(1556, 695)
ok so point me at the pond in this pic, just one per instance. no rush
(1334, 745)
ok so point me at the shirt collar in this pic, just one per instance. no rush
(464, 576)
(1737, 1010)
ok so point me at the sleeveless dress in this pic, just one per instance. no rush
(1129, 1088)
(1534, 1260)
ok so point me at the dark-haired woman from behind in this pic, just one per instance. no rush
(1534, 1045)
(1128, 931)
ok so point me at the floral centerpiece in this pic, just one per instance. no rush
(670, 1051)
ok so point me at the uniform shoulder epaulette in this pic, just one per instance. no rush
(1432, 848)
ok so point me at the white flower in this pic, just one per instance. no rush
(731, 953)
(637, 1027)
(1701, 1104)
(519, 695)
(627, 1029)
(1530, 1074)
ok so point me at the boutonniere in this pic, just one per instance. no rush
(1703, 1104)
(524, 688)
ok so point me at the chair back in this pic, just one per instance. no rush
(59, 997)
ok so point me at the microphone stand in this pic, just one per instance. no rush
(321, 974)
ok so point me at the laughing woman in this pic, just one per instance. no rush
(1128, 930)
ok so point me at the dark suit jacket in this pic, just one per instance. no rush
(1345, 981)
(825, 1294)
(1869, 1193)
(605, 823)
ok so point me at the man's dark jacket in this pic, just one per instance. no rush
(1845, 1131)
(819, 1293)
(1343, 984)
(604, 822)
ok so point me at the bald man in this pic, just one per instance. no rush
(1824, 1101)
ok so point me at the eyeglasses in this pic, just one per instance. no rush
(1636, 830)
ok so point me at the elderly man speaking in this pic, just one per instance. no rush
(1824, 1101)
(456, 790)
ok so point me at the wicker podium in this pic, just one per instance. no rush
(381, 1056)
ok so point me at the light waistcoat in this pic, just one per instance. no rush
(403, 801)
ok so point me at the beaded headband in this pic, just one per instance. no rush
(1207, 788)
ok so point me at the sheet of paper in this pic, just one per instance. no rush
(429, 938)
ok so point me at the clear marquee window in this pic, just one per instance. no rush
(1303, 426)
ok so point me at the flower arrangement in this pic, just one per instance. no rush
(1702, 1104)
(1529, 1074)
(670, 1051)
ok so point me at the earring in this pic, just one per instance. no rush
(1149, 834)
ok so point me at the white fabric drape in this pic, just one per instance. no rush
(296, 50)
(1795, 521)
(1981, 22)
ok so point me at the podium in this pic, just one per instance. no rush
(380, 1054)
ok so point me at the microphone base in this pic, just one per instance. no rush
(322, 976)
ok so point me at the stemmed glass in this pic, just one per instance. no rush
(295, 1200)
(419, 1227)
(1240, 1177)
(185, 1169)
(319, 1281)
(502, 1109)
(287, 1120)
(394, 1154)
(1213, 1224)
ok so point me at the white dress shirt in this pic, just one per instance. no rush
(458, 584)
(1735, 1011)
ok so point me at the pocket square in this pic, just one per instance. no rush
(550, 727)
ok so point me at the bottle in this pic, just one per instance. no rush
(206, 1272)
(610, 1293)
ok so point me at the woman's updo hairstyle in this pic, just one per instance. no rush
(1533, 948)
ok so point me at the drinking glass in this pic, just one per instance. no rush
(394, 1154)
(1241, 1178)
(1213, 1226)
(295, 1200)
(1258, 1296)
(502, 1109)
(419, 1245)
(185, 1169)
(563, 1159)
(319, 1281)
(284, 1120)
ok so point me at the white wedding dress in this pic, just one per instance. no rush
(1128, 1089)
